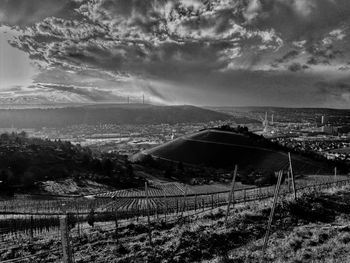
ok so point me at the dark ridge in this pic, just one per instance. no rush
(107, 113)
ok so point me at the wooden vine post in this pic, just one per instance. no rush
(184, 202)
(31, 229)
(292, 175)
(277, 189)
(177, 206)
(288, 180)
(66, 249)
(165, 207)
(157, 211)
(78, 220)
(148, 215)
(116, 224)
(231, 195)
(137, 212)
(195, 203)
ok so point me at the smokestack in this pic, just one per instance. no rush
(272, 119)
(265, 123)
(322, 119)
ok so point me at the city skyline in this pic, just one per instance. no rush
(222, 53)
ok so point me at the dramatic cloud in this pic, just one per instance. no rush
(185, 51)
(24, 12)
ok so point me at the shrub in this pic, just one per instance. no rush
(345, 238)
(122, 250)
(296, 243)
(308, 209)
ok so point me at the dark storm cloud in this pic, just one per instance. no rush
(245, 87)
(189, 46)
(290, 55)
(90, 94)
(334, 88)
(294, 67)
(322, 54)
(335, 91)
(344, 68)
(302, 19)
(132, 32)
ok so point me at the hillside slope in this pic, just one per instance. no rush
(221, 149)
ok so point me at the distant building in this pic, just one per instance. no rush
(321, 121)
(329, 129)
(335, 130)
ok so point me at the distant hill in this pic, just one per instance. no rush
(102, 113)
(223, 149)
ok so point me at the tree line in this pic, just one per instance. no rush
(24, 162)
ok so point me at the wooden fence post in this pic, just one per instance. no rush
(231, 195)
(277, 188)
(67, 252)
(148, 219)
(292, 175)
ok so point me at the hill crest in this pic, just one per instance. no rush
(223, 149)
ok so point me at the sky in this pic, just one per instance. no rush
(290, 53)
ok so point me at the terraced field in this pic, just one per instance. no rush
(24, 216)
(168, 196)
(160, 190)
